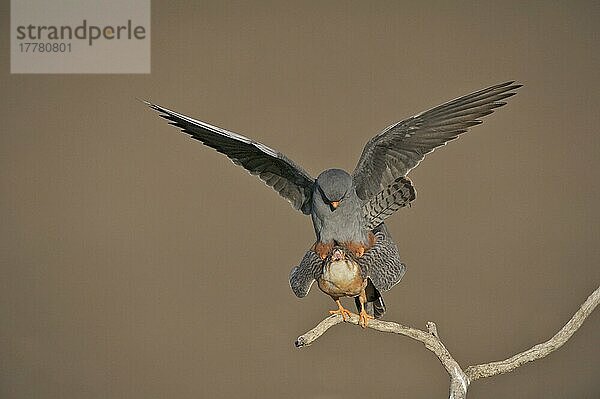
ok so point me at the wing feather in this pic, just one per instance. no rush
(271, 166)
(400, 147)
(303, 276)
(382, 262)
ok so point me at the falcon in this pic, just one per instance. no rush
(342, 273)
(353, 254)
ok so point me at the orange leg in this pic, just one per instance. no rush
(363, 317)
(341, 310)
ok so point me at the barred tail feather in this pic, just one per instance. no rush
(395, 196)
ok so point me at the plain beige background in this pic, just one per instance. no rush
(136, 263)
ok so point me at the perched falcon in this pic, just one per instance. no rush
(348, 210)
(343, 273)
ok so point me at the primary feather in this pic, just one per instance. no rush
(272, 167)
(401, 146)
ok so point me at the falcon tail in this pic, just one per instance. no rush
(375, 305)
(395, 196)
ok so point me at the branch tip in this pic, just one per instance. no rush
(459, 379)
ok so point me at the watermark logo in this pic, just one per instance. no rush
(62, 36)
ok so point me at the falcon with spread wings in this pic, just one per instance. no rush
(354, 254)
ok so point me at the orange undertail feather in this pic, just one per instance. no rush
(322, 249)
(359, 249)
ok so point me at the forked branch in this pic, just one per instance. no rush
(459, 379)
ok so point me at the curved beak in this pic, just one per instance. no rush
(335, 204)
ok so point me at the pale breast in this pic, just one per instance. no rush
(341, 278)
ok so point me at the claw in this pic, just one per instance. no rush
(363, 318)
(345, 313)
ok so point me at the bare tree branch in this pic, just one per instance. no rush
(459, 379)
(540, 350)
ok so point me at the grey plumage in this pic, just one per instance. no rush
(304, 275)
(381, 206)
(348, 208)
(271, 166)
(380, 264)
(345, 223)
(401, 146)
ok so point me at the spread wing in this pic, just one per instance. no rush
(382, 262)
(272, 167)
(303, 276)
(401, 146)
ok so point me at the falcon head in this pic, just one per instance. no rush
(337, 254)
(332, 186)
